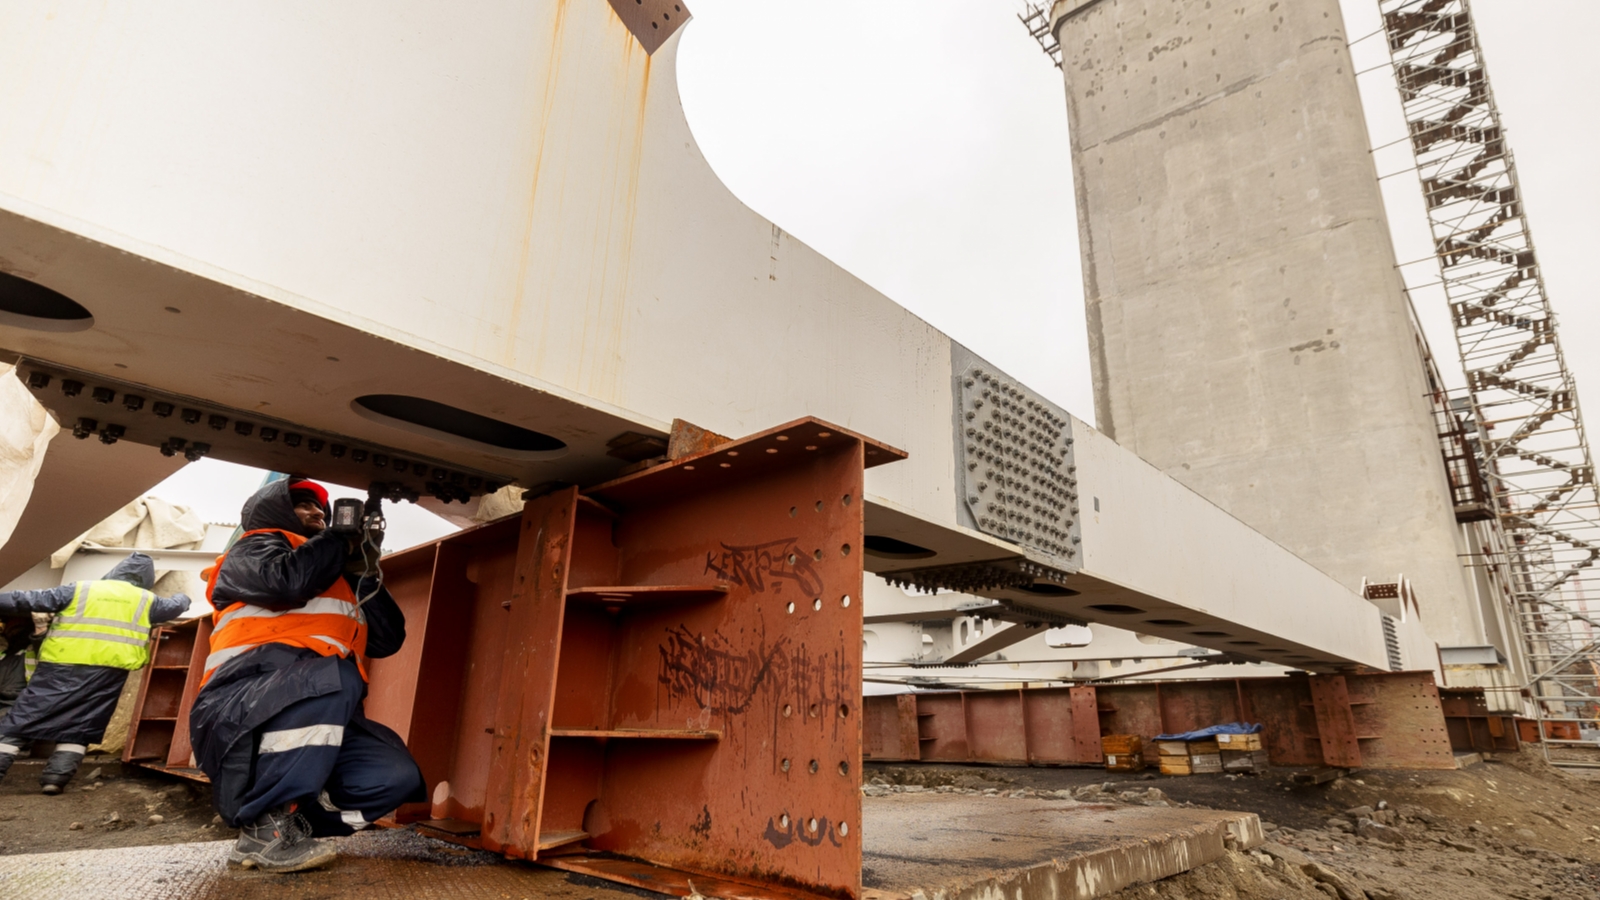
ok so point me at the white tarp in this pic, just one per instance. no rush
(149, 523)
(25, 431)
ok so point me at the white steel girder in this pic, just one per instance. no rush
(275, 209)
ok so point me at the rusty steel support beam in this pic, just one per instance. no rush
(653, 680)
(1336, 723)
(1473, 727)
(1378, 720)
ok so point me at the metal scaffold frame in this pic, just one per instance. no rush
(1533, 452)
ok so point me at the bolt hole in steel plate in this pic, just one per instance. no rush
(25, 304)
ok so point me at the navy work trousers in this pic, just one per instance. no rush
(344, 770)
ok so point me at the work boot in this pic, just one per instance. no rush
(61, 766)
(280, 841)
(6, 759)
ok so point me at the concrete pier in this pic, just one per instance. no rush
(1248, 329)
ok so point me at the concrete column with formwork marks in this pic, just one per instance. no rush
(1248, 328)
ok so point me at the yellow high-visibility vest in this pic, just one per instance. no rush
(106, 624)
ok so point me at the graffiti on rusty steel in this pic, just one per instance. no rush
(782, 833)
(710, 672)
(758, 566)
(702, 825)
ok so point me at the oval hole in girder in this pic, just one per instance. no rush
(458, 426)
(1209, 633)
(1045, 589)
(1117, 609)
(893, 548)
(24, 304)
(1171, 623)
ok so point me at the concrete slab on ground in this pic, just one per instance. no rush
(935, 846)
(971, 847)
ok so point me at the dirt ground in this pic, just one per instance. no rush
(110, 807)
(1511, 828)
(1506, 829)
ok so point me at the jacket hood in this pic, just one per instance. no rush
(271, 507)
(138, 570)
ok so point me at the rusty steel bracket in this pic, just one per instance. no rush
(651, 22)
(1336, 724)
(1474, 727)
(158, 731)
(654, 680)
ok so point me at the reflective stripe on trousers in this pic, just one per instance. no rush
(306, 736)
(350, 817)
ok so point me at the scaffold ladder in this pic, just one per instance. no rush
(1533, 450)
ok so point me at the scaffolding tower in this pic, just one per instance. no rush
(1036, 18)
(1529, 439)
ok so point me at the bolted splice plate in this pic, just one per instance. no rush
(1015, 464)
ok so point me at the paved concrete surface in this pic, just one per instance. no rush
(956, 847)
(372, 866)
(936, 846)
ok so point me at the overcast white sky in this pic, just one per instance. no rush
(924, 148)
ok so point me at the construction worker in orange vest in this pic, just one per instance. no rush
(278, 725)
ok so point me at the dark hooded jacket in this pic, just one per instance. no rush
(72, 703)
(253, 687)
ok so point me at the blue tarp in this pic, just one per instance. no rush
(1213, 731)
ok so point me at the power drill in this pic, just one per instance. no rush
(355, 518)
(364, 520)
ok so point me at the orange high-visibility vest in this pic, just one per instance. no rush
(330, 624)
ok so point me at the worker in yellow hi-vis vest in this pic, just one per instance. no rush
(100, 633)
